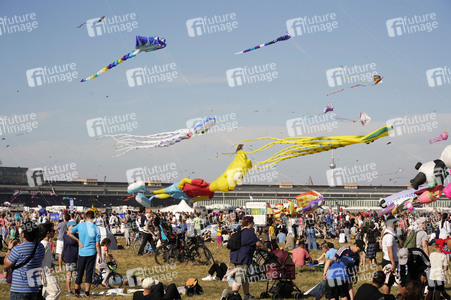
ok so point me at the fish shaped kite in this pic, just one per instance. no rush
(98, 21)
(442, 137)
(146, 44)
(128, 142)
(376, 79)
(279, 39)
(300, 146)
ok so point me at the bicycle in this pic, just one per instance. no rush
(137, 241)
(114, 280)
(181, 251)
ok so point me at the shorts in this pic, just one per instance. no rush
(242, 274)
(59, 247)
(436, 285)
(391, 279)
(71, 267)
(336, 288)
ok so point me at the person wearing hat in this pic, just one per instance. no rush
(350, 257)
(370, 291)
(436, 275)
(390, 250)
(149, 292)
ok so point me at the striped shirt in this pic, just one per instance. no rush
(26, 279)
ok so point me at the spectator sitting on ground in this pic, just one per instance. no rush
(281, 236)
(289, 241)
(154, 290)
(371, 291)
(300, 255)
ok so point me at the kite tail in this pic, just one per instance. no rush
(112, 65)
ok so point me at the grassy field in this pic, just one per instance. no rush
(306, 277)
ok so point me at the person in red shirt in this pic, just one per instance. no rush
(300, 255)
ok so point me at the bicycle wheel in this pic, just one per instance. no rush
(114, 280)
(160, 255)
(136, 244)
(204, 257)
(173, 255)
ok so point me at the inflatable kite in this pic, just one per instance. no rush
(128, 142)
(300, 146)
(433, 172)
(310, 201)
(376, 79)
(146, 44)
(279, 39)
(197, 189)
(442, 137)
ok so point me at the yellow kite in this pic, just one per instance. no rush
(310, 145)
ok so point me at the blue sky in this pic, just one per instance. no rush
(201, 89)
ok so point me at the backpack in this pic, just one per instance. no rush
(192, 287)
(411, 241)
(234, 296)
(234, 242)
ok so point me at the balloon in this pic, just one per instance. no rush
(145, 44)
(433, 172)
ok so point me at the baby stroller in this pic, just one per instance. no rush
(280, 271)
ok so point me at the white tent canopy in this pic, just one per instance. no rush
(181, 207)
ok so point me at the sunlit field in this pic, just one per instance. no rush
(306, 277)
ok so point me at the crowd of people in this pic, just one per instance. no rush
(405, 242)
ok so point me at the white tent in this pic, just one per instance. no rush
(181, 207)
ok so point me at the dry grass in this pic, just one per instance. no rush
(305, 277)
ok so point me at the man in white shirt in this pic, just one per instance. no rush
(390, 250)
(422, 237)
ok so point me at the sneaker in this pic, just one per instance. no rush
(248, 296)
(70, 294)
(216, 278)
(208, 278)
(224, 294)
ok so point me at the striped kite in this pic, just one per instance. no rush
(146, 44)
(280, 38)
